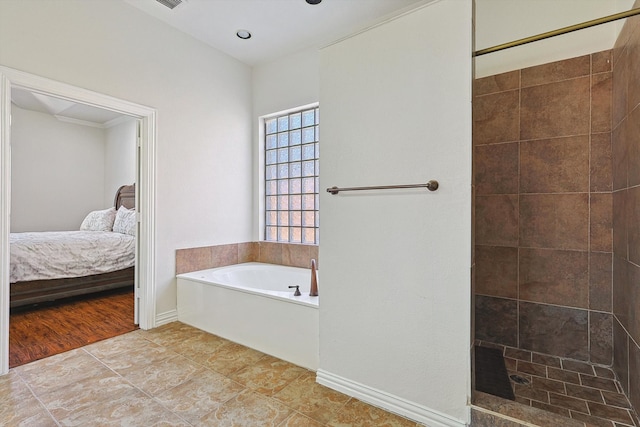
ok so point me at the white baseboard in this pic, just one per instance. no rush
(166, 317)
(386, 401)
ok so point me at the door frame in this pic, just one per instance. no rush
(145, 189)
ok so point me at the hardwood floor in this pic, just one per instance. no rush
(44, 330)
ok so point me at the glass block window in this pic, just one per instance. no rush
(291, 177)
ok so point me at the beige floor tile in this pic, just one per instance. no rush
(199, 347)
(175, 375)
(231, 357)
(268, 375)
(161, 373)
(74, 398)
(127, 409)
(199, 396)
(299, 420)
(171, 333)
(58, 371)
(308, 397)
(358, 414)
(120, 344)
(19, 406)
(247, 409)
(137, 356)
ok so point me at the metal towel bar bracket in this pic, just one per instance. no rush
(431, 186)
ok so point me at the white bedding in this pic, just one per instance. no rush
(63, 254)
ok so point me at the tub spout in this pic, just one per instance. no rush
(313, 290)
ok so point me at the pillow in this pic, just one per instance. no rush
(99, 220)
(125, 221)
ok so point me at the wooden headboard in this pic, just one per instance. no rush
(126, 196)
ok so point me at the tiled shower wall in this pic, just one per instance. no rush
(543, 207)
(626, 208)
(294, 255)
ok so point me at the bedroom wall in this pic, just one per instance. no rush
(57, 172)
(203, 100)
(120, 157)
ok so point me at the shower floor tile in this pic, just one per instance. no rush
(586, 393)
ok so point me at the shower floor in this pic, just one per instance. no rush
(581, 393)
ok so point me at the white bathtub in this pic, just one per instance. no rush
(251, 304)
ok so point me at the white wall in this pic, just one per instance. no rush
(120, 157)
(202, 96)
(286, 83)
(502, 21)
(57, 172)
(395, 288)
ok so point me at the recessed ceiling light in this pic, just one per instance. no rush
(243, 34)
(313, 1)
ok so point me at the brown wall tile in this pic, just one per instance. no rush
(601, 86)
(620, 223)
(554, 277)
(555, 165)
(601, 222)
(632, 205)
(495, 118)
(565, 151)
(248, 252)
(601, 338)
(633, 48)
(495, 168)
(632, 294)
(620, 79)
(556, 71)
(554, 330)
(497, 220)
(193, 259)
(621, 355)
(621, 290)
(600, 281)
(296, 255)
(496, 271)
(497, 83)
(558, 221)
(497, 320)
(555, 109)
(633, 146)
(634, 372)
(601, 163)
(602, 62)
(223, 255)
(619, 155)
(270, 252)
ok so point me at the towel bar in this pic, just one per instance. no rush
(431, 186)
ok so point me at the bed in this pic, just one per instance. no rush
(46, 266)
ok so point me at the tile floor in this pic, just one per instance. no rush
(175, 375)
(580, 391)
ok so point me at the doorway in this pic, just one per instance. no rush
(145, 173)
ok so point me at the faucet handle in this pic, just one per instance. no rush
(296, 293)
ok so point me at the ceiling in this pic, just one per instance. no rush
(64, 110)
(278, 27)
